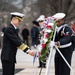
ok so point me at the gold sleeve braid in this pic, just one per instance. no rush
(23, 46)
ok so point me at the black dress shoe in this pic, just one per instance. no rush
(39, 66)
(43, 66)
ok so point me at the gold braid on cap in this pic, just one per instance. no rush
(21, 19)
(23, 47)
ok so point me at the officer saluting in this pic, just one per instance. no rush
(11, 41)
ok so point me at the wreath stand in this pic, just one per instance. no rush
(49, 58)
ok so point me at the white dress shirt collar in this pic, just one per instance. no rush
(14, 25)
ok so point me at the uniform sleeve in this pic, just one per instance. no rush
(66, 36)
(16, 40)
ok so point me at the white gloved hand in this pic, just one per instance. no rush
(39, 47)
(52, 44)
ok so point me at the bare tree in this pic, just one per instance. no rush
(50, 7)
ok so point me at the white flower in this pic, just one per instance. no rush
(45, 40)
(51, 24)
(39, 47)
(48, 30)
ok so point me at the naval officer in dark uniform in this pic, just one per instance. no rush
(11, 41)
(63, 41)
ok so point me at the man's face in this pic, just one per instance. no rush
(40, 23)
(16, 21)
(60, 22)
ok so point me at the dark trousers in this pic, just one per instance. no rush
(25, 40)
(41, 64)
(8, 67)
(35, 41)
(61, 67)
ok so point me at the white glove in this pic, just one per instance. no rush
(52, 44)
(39, 48)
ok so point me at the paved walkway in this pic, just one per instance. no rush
(25, 65)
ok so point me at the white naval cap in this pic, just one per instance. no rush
(18, 15)
(59, 16)
(41, 18)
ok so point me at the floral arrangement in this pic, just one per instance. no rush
(46, 36)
